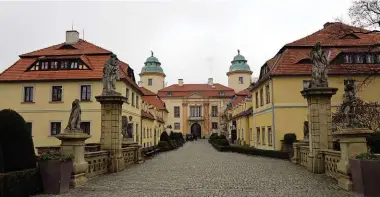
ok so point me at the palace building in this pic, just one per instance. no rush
(42, 85)
(277, 104)
(196, 108)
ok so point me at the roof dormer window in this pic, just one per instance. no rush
(348, 58)
(221, 93)
(359, 59)
(58, 64)
(169, 93)
(370, 59)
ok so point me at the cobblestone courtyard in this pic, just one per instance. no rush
(196, 169)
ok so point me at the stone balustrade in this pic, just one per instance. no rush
(304, 153)
(97, 163)
(331, 159)
(130, 155)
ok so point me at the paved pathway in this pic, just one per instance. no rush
(197, 169)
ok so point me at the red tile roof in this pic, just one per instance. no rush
(237, 100)
(93, 56)
(146, 115)
(331, 37)
(188, 89)
(244, 92)
(153, 99)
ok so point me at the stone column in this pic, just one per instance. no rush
(352, 142)
(206, 115)
(320, 134)
(111, 136)
(184, 119)
(73, 142)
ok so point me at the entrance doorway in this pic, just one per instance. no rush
(196, 130)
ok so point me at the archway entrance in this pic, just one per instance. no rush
(196, 130)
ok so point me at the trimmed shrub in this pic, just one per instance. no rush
(16, 143)
(163, 146)
(373, 141)
(213, 137)
(164, 137)
(290, 138)
(221, 148)
(222, 137)
(260, 152)
(223, 142)
(21, 183)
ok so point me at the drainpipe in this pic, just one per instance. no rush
(273, 116)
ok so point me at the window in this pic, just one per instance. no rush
(261, 97)
(270, 136)
(258, 135)
(29, 128)
(242, 134)
(241, 80)
(177, 126)
(86, 127)
(195, 111)
(169, 93)
(28, 94)
(133, 99)
(176, 112)
(359, 59)
(137, 101)
(214, 125)
(127, 94)
(55, 128)
(221, 93)
(370, 59)
(257, 100)
(56, 94)
(144, 134)
(54, 64)
(150, 82)
(151, 133)
(348, 59)
(85, 92)
(137, 129)
(263, 135)
(250, 134)
(306, 84)
(214, 111)
(267, 93)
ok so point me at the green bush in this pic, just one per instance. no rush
(290, 138)
(223, 142)
(163, 146)
(222, 137)
(260, 152)
(221, 148)
(20, 183)
(213, 137)
(373, 141)
(164, 137)
(16, 143)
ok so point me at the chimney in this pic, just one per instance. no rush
(180, 82)
(327, 24)
(140, 83)
(210, 82)
(72, 37)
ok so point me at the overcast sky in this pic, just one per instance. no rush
(193, 40)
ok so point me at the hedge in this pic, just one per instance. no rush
(260, 152)
(221, 148)
(20, 183)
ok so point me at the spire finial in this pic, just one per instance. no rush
(238, 52)
(151, 52)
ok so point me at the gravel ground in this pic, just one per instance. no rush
(197, 169)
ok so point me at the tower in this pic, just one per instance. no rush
(239, 75)
(152, 76)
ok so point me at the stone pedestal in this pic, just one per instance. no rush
(111, 129)
(352, 142)
(73, 142)
(320, 134)
(297, 154)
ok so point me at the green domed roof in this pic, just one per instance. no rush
(239, 64)
(152, 65)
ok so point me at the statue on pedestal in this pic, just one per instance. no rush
(319, 69)
(348, 106)
(306, 130)
(110, 75)
(75, 116)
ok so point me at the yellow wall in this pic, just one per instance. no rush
(157, 79)
(233, 80)
(43, 111)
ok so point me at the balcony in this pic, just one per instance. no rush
(195, 118)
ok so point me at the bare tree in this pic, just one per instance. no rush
(365, 13)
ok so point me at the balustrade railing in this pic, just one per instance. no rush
(304, 150)
(130, 155)
(97, 163)
(331, 158)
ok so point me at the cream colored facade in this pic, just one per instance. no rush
(152, 128)
(43, 111)
(235, 83)
(286, 109)
(157, 81)
(186, 121)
